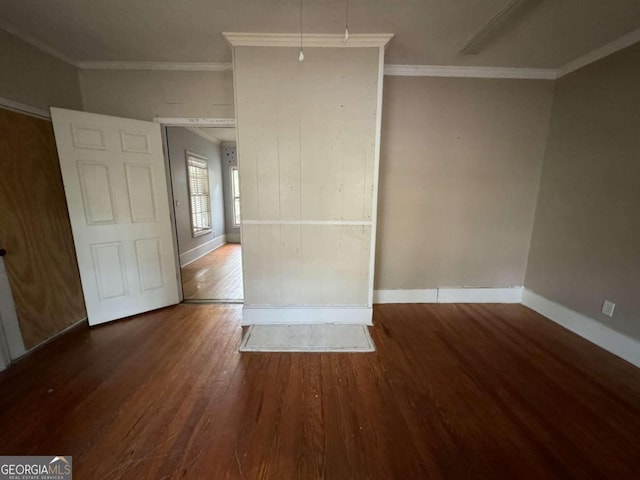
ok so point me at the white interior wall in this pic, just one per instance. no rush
(143, 94)
(180, 141)
(12, 337)
(229, 160)
(307, 148)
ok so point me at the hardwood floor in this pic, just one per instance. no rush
(216, 276)
(453, 391)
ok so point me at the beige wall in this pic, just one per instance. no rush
(459, 173)
(35, 78)
(144, 95)
(586, 239)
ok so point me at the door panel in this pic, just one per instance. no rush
(34, 229)
(141, 194)
(115, 185)
(97, 199)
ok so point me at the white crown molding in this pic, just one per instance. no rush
(34, 42)
(598, 54)
(206, 136)
(469, 72)
(308, 39)
(335, 40)
(156, 66)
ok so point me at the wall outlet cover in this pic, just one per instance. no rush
(608, 307)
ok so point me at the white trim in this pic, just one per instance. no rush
(195, 122)
(5, 360)
(24, 108)
(376, 174)
(308, 39)
(600, 53)
(450, 295)
(267, 315)
(480, 295)
(172, 211)
(233, 171)
(596, 332)
(34, 42)
(9, 316)
(307, 222)
(406, 296)
(469, 72)
(335, 40)
(156, 66)
(200, 251)
(204, 135)
(243, 251)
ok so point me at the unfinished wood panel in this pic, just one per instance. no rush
(35, 230)
(452, 392)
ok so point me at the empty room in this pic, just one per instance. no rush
(303, 239)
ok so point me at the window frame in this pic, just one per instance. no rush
(195, 231)
(235, 195)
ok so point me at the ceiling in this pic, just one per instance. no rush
(539, 34)
(222, 134)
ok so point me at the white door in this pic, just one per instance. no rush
(114, 180)
(9, 326)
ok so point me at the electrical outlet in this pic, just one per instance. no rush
(607, 308)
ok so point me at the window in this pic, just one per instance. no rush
(199, 198)
(235, 191)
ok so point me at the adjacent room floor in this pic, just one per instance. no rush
(453, 391)
(216, 276)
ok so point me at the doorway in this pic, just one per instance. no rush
(206, 202)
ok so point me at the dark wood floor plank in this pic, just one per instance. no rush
(216, 276)
(453, 391)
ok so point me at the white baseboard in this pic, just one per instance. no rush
(200, 251)
(406, 296)
(480, 295)
(625, 347)
(450, 295)
(265, 315)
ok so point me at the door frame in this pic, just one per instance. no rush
(11, 340)
(165, 122)
(10, 335)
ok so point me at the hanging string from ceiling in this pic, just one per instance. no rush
(301, 56)
(346, 21)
